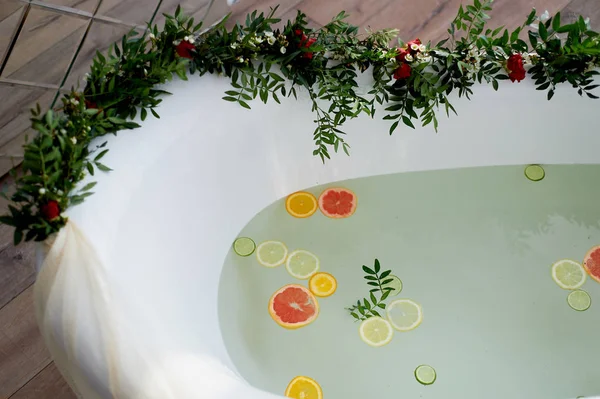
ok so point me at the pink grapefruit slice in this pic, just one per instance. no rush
(337, 202)
(591, 263)
(293, 306)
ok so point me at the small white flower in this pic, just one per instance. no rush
(74, 140)
(422, 48)
(545, 16)
(420, 56)
(258, 39)
(186, 38)
(63, 131)
(414, 47)
(588, 25)
(151, 36)
(145, 71)
(75, 102)
(269, 34)
(59, 192)
(271, 40)
(408, 58)
(234, 45)
(192, 40)
(176, 42)
(283, 50)
(240, 59)
(42, 191)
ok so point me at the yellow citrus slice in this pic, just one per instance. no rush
(271, 253)
(322, 284)
(304, 388)
(302, 264)
(404, 314)
(301, 204)
(376, 331)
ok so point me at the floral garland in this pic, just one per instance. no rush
(412, 80)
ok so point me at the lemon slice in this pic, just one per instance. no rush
(535, 172)
(579, 300)
(425, 374)
(304, 388)
(376, 331)
(302, 264)
(404, 314)
(568, 274)
(322, 284)
(395, 285)
(271, 253)
(244, 246)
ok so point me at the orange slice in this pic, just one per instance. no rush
(293, 306)
(301, 204)
(322, 284)
(304, 388)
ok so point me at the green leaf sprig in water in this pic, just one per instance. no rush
(378, 293)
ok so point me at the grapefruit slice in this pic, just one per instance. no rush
(301, 204)
(591, 263)
(293, 306)
(337, 202)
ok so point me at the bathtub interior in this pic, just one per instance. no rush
(185, 185)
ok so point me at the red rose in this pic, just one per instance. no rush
(306, 44)
(416, 41)
(50, 210)
(184, 49)
(402, 72)
(514, 65)
(90, 104)
(299, 32)
(402, 53)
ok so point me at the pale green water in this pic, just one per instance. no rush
(473, 247)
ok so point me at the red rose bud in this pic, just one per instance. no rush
(90, 104)
(50, 210)
(416, 41)
(402, 53)
(299, 32)
(306, 43)
(402, 72)
(515, 68)
(184, 49)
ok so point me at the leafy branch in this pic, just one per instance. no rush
(368, 307)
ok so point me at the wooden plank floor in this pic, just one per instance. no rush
(26, 370)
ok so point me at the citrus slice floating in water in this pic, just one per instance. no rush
(302, 264)
(293, 306)
(425, 374)
(244, 246)
(304, 388)
(337, 203)
(271, 253)
(376, 331)
(301, 204)
(579, 300)
(395, 285)
(404, 314)
(592, 263)
(535, 172)
(568, 274)
(322, 284)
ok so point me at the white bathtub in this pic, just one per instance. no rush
(128, 297)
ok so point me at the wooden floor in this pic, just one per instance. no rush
(26, 370)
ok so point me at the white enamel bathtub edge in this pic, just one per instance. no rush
(223, 164)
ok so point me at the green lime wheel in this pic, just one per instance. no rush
(244, 246)
(579, 300)
(425, 374)
(395, 285)
(535, 172)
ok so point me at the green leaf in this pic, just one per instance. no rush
(143, 114)
(550, 94)
(393, 127)
(373, 299)
(368, 270)
(244, 104)
(377, 266)
(556, 22)
(100, 156)
(385, 274)
(372, 278)
(543, 32)
(102, 167)
(231, 99)
(88, 186)
(17, 237)
(407, 121)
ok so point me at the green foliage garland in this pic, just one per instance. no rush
(412, 80)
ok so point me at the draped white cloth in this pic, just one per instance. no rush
(126, 295)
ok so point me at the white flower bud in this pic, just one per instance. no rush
(271, 40)
(422, 48)
(408, 58)
(268, 34)
(283, 50)
(42, 191)
(151, 36)
(233, 45)
(186, 38)
(88, 128)
(59, 192)
(414, 47)
(74, 140)
(63, 131)
(192, 40)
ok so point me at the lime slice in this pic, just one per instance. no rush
(376, 331)
(425, 374)
(404, 314)
(579, 300)
(395, 285)
(271, 253)
(244, 246)
(302, 264)
(568, 274)
(535, 172)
